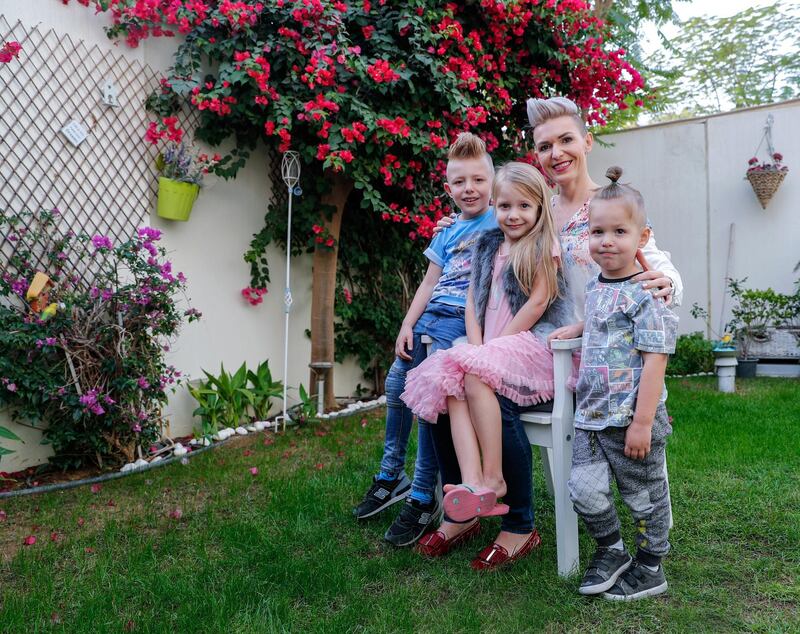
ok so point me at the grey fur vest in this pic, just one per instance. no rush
(559, 313)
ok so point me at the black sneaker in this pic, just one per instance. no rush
(602, 572)
(382, 494)
(638, 582)
(415, 519)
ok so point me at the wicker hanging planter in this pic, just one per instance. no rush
(766, 177)
(765, 184)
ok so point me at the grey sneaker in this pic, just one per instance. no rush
(602, 572)
(638, 582)
(381, 495)
(414, 521)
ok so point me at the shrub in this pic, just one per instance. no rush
(90, 368)
(693, 354)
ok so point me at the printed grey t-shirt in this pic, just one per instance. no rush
(622, 321)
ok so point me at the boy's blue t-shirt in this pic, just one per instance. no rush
(452, 249)
(622, 321)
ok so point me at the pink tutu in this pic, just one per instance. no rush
(519, 367)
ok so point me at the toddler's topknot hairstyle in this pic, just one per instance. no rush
(631, 197)
(469, 146)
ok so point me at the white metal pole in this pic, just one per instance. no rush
(287, 305)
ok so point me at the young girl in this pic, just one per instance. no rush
(514, 302)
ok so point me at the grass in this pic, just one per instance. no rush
(279, 551)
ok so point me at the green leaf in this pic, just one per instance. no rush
(7, 433)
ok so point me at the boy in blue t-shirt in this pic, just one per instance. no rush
(621, 421)
(437, 310)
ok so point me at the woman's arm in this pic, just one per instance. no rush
(474, 334)
(531, 310)
(662, 274)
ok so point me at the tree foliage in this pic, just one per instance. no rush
(747, 59)
(373, 91)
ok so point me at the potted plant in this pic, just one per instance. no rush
(182, 169)
(766, 177)
(754, 311)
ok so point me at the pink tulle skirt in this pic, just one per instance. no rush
(519, 367)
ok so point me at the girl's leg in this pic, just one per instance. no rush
(484, 412)
(465, 442)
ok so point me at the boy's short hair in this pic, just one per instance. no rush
(632, 198)
(469, 146)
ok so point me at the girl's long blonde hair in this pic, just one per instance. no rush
(532, 254)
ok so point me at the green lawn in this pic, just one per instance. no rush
(279, 551)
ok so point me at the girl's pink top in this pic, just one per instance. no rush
(498, 311)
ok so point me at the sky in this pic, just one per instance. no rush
(696, 8)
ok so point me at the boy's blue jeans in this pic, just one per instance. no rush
(443, 323)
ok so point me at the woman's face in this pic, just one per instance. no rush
(562, 148)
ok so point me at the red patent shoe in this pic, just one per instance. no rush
(494, 556)
(436, 543)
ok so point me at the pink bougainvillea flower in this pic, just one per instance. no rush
(254, 296)
(54, 536)
(30, 540)
(3, 516)
(96, 488)
(269, 440)
(319, 466)
(363, 422)
(247, 452)
(176, 514)
(81, 521)
(9, 51)
(254, 471)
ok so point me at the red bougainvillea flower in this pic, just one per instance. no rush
(254, 296)
(9, 51)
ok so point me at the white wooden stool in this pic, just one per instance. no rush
(553, 432)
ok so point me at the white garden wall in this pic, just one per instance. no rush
(208, 249)
(691, 173)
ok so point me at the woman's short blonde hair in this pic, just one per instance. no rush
(541, 110)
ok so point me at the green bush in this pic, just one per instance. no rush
(693, 354)
(90, 369)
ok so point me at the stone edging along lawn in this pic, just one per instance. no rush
(179, 452)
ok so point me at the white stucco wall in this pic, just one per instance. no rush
(691, 174)
(208, 249)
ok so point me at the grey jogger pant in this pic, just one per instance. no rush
(596, 456)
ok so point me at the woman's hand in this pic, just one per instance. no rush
(654, 280)
(444, 222)
(573, 331)
(657, 283)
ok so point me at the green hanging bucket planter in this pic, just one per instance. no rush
(175, 198)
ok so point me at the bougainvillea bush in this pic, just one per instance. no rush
(371, 92)
(89, 368)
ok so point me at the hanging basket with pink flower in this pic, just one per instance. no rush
(766, 176)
